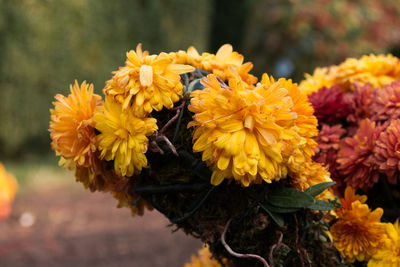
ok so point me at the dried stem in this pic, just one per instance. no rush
(239, 255)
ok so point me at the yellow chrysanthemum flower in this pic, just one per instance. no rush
(377, 70)
(147, 82)
(122, 137)
(203, 259)
(320, 78)
(301, 147)
(358, 232)
(8, 189)
(218, 64)
(242, 131)
(72, 126)
(388, 255)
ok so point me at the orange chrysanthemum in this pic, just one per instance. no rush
(72, 126)
(388, 255)
(361, 102)
(147, 82)
(350, 196)
(386, 105)
(8, 189)
(387, 151)
(355, 158)
(358, 232)
(313, 173)
(244, 132)
(204, 259)
(122, 137)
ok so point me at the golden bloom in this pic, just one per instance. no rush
(322, 77)
(147, 82)
(350, 196)
(72, 126)
(300, 148)
(243, 131)
(218, 64)
(122, 137)
(8, 189)
(204, 259)
(358, 232)
(311, 174)
(377, 70)
(389, 254)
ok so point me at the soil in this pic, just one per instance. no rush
(65, 225)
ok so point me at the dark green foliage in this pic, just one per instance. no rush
(289, 200)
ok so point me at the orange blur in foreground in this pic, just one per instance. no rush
(8, 189)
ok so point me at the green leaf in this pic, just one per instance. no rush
(290, 198)
(194, 85)
(321, 205)
(276, 217)
(317, 189)
(280, 209)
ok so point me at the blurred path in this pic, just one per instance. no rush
(64, 225)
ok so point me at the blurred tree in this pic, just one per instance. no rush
(46, 44)
(290, 37)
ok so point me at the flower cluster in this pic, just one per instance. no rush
(246, 131)
(357, 104)
(361, 98)
(375, 70)
(252, 134)
(8, 189)
(359, 234)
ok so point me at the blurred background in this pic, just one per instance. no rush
(46, 44)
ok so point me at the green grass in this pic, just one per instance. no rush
(38, 171)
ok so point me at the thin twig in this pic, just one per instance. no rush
(170, 145)
(239, 255)
(178, 123)
(170, 122)
(155, 148)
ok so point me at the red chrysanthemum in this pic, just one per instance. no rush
(361, 102)
(328, 146)
(329, 104)
(355, 158)
(387, 102)
(387, 151)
